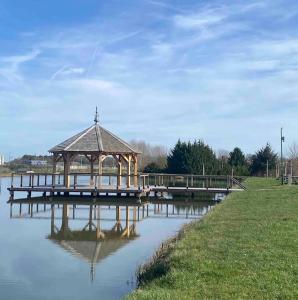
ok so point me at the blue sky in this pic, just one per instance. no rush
(222, 71)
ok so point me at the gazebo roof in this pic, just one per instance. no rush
(94, 139)
(87, 249)
(83, 243)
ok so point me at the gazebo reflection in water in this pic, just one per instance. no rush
(90, 240)
(92, 243)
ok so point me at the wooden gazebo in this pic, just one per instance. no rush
(96, 144)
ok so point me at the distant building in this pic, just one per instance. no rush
(2, 160)
(38, 162)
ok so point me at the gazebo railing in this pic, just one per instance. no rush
(79, 180)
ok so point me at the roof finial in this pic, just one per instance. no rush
(96, 116)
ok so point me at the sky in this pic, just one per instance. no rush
(225, 72)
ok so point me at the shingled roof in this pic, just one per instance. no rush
(87, 249)
(94, 139)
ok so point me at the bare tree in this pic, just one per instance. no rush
(293, 151)
(292, 165)
(222, 154)
(150, 154)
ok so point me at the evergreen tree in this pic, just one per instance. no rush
(191, 158)
(260, 158)
(177, 159)
(236, 158)
(238, 162)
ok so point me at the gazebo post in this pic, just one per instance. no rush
(99, 170)
(135, 170)
(128, 170)
(66, 160)
(55, 158)
(91, 170)
(119, 170)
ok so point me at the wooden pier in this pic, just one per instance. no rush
(106, 185)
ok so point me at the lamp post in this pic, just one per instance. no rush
(282, 140)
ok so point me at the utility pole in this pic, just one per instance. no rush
(267, 169)
(282, 139)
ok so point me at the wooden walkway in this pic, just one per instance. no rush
(147, 185)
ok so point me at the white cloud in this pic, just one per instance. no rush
(10, 65)
(94, 85)
(199, 20)
(64, 70)
(15, 60)
(280, 47)
(73, 71)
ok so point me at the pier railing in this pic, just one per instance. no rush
(194, 181)
(114, 181)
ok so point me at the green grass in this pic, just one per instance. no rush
(247, 247)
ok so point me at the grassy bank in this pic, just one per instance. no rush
(247, 247)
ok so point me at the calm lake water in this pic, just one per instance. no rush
(53, 254)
